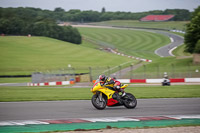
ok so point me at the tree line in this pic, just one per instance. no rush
(76, 15)
(38, 22)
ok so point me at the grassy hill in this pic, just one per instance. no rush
(131, 42)
(24, 55)
(142, 44)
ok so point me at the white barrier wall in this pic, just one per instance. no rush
(65, 82)
(124, 80)
(192, 80)
(52, 83)
(154, 80)
(186, 80)
(49, 83)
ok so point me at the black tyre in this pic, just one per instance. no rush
(130, 101)
(97, 103)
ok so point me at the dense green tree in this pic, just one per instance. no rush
(196, 11)
(197, 47)
(156, 12)
(59, 14)
(103, 10)
(106, 16)
(89, 16)
(192, 35)
(58, 9)
(180, 14)
(16, 26)
(37, 22)
(4, 26)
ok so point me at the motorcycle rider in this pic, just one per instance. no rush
(111, 81)
(166, 80)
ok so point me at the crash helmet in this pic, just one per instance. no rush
(102, 77)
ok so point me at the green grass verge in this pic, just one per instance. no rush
(8, 94)
(22, 55)
(179, 51)
(15, 80)
(176, 68)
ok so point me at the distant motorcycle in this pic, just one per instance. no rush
(103, 96)
(166, 82)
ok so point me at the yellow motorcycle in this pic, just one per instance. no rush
(105, 95)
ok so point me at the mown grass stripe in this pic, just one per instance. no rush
(129, 41)
(23, 55)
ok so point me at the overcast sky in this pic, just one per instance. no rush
(110, 5)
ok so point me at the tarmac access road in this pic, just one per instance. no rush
(40, 110)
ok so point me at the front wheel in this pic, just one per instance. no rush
(130, 101)
(99, 103)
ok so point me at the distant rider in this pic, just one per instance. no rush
(166, 80)
(111, 81)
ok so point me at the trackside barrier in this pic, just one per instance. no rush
(192, 80)
(177, 80)
(137, 80)
(186, 80)
(154, 80)
(183, 80)
(50, 83)
(124, 80)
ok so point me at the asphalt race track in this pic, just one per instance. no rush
(165, 50)
(41, 110)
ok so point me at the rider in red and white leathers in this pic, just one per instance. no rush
(116, 84)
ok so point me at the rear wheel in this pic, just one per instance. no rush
(99, 102)
(130, 101)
